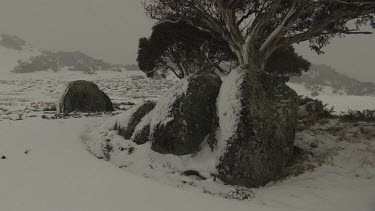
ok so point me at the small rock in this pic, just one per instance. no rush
(3, 157)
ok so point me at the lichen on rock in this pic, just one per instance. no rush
(257, 122)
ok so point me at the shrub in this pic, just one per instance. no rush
(321, 110)
(354, 116)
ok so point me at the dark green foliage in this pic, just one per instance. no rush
(355, 116)
(314, 21)
(181, 48)
(177, 47)
(320, 110)
(285, 63)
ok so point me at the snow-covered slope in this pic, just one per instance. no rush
(340, 102)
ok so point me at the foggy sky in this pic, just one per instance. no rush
(110, 29)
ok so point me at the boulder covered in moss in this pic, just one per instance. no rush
(257, 123)
(83, 96)
(128, 121)
(183, 116)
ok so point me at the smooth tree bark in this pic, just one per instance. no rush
(254, 29)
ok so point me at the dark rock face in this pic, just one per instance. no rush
(141, 133)
(128, 121)
(261, 142)
(186, 117)
(84, 96)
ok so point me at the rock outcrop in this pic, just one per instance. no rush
(83, 96)
(128, 121)
(183, 116)
(257, 123)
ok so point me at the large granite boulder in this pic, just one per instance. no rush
(128, 121)
(84, 96)
(183, 116)
(257, 122)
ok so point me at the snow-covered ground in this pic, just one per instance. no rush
(341, 103)
(58, 173)
(27, 93)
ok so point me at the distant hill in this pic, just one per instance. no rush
(11, 42)
(320, 77)
(57, 61)
(18, 57)
(132, 67)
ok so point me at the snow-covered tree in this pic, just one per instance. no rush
(254, 29)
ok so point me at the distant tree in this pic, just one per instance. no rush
(183, 49)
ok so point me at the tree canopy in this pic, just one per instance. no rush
(254, 29)
(183, 49)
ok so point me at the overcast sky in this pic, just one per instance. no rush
(110, 29)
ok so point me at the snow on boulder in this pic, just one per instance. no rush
(128, 121)
(183, 116)
(141, 133)
(257, 121)
(83, 96)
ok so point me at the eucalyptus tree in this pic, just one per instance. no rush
(182, 49)
(254, 29)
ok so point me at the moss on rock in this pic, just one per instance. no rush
(263, 138)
